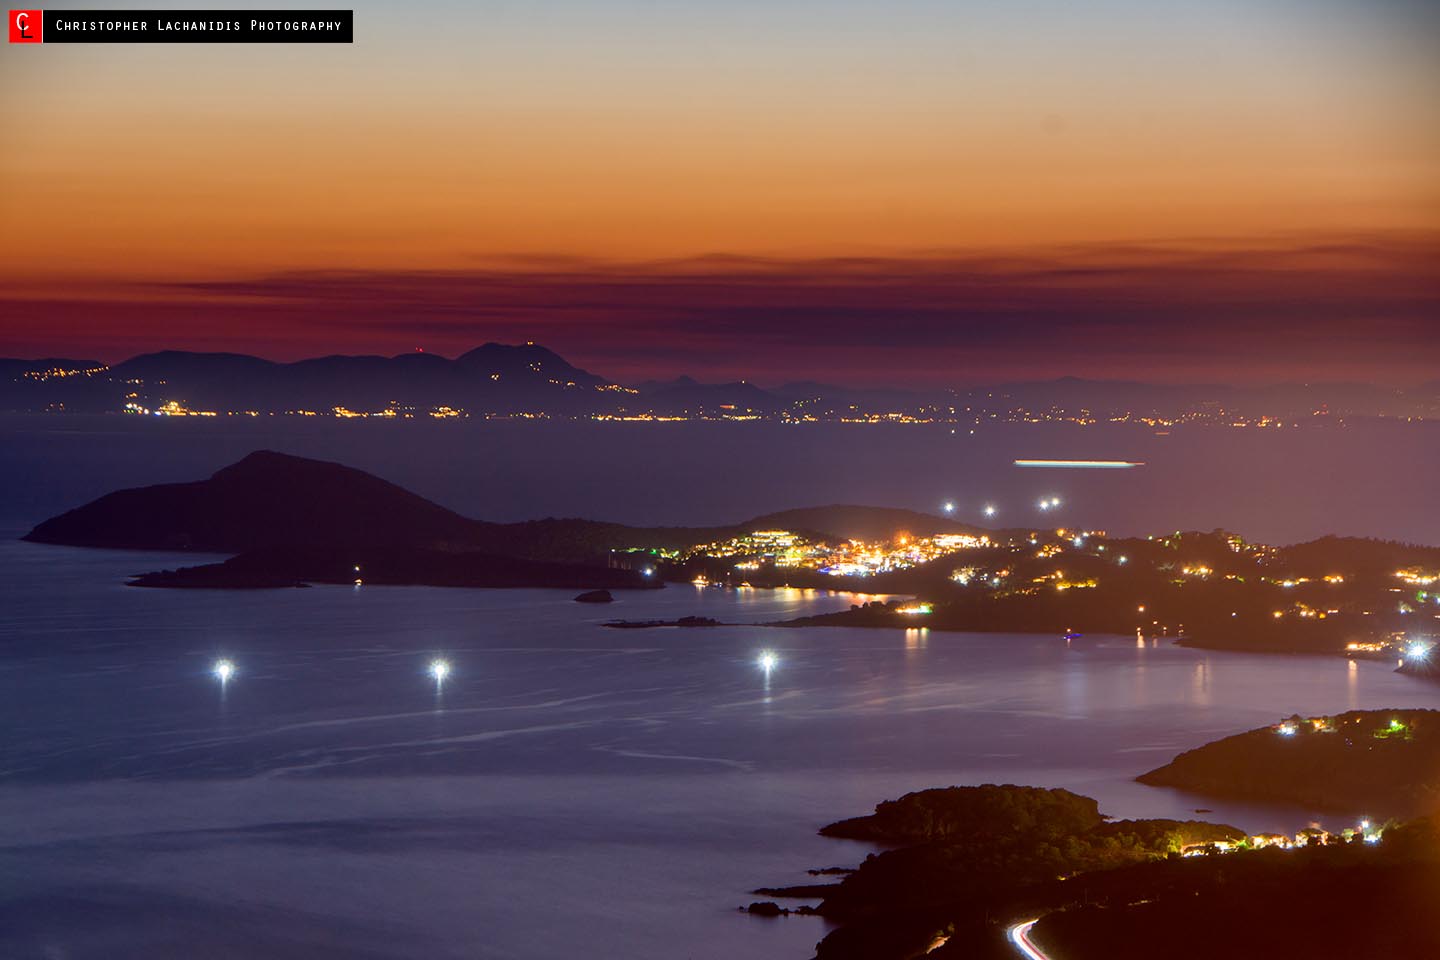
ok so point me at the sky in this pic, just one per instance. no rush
(892, 192)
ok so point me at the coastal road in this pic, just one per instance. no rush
(1020, 936)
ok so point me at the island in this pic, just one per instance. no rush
(646, 624)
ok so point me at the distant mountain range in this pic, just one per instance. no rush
(529, 380)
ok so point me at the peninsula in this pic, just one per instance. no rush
(1370, 763)
(284, 519)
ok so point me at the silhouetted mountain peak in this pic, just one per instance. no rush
(504, 357)
(265, 499)
(272, 466)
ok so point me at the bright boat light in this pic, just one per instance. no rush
(768, 660)
(1082, 464)
(223, 670)
(439, 669)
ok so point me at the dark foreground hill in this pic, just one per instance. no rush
(966, 865)
(1376, 763)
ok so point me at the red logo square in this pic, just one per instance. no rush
(26, 26)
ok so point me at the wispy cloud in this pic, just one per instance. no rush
(1360, 307)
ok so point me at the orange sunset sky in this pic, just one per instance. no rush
(546, 138)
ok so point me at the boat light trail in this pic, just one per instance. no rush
(1082, 464)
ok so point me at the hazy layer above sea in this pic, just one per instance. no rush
(1367, 478)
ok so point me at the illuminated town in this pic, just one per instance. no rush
(1204, 588)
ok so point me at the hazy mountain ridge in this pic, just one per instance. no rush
(502, 379)
(493, 378)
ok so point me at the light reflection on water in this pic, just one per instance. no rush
(573, 786)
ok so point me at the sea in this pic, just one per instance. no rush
(568, 789)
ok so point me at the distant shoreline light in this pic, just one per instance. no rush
(1082, 464)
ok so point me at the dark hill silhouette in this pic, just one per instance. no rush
(266, 499)
(524, 360)
(293, 520)
(1378, 763)
(686, 396)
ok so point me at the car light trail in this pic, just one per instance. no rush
(1082, 464)
(1020, 936)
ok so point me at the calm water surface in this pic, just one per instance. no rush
(571, 791)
